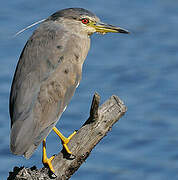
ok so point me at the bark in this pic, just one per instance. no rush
(98, 124)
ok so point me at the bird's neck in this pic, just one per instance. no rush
(80, 47)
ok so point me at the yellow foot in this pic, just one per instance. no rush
(46, 160)
(67, 141)
(64, 140)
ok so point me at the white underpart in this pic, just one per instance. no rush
(28, 27)
(64, 108)
(77, 85)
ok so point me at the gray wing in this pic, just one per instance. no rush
(44, 82)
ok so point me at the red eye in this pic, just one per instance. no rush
(85, 21)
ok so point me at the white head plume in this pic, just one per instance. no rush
(28, 27)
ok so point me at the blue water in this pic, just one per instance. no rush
(141, 68)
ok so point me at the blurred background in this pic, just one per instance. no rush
(140, 68)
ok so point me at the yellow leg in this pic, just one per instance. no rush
(64, 140)
(45, 159)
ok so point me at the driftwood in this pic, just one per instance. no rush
(94, 129)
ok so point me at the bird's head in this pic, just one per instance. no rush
(83, 21)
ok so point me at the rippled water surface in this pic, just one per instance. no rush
(141, 68)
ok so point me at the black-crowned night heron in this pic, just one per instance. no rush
(47, 74)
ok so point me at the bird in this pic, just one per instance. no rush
(47, 74)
